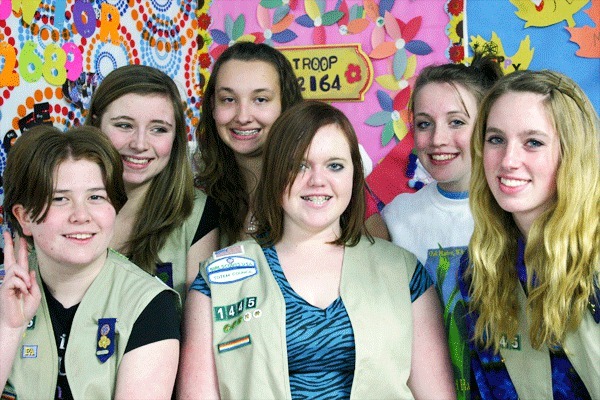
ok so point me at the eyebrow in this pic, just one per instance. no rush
(448, 113)
(95, 189)
(527, 133)
(127, 118)
(231, 90)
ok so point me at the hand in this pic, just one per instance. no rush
(19, 293)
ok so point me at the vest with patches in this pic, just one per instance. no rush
(122, 291)
(249, 320)
(530, 369)
(173, 255)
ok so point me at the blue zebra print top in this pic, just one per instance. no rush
(320, 342)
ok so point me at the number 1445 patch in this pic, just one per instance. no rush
(224, 313)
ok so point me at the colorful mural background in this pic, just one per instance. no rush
(54, 52)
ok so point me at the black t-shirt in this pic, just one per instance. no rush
(209, 219)
(151, 326)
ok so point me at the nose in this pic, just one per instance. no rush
(439, 136)
(138, 141)
(316, 177)
(79, 213)
(244, 113)
(512, 156)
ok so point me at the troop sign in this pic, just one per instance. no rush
(341, 72)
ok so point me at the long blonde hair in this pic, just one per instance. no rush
(563, 249)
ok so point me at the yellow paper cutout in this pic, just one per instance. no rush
(547, 12)
(520, 60)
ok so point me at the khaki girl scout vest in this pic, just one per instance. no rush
(173, 254)
(529, 369)
(122, 291)
(249, 330)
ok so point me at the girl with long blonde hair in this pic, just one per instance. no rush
(535, 190)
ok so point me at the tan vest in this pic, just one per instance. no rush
(249, 327)
(177, 246)
(529, 369)
(122, 291)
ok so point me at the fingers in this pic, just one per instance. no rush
(34, 289)
(23, 254)
(9, 250)
(21, 262)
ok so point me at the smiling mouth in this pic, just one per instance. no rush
(443, 157)
(80, 236)
(250, 132)
(135, 160)
(316, 199)
(512, 182)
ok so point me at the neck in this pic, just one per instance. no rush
(523, 226)
(136, 194)
(297, 238)
(68, 284)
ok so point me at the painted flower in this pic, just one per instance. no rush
(455, 7)
(457, 53)
(353, 21)
(204, 60)
(203, 21)
(276, 29)
(353, 73)
(454, 29)
(403, 38)
(394, 117)
(234, 32)
(317, 18)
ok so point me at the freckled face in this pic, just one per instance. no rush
(521, 155)
(246, 104)
(443, 128)
(142, 128)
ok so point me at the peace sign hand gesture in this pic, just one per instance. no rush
(19, 293)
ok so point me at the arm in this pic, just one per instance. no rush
(199, 252)
(197, 376)
(148, 372)
(376, 227)
(431, 373)
(19, 300)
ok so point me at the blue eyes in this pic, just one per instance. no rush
(455, 123)
(332, 166)
(531, 143)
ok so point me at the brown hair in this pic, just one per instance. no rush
(33, 161)
(476, 78)
(218, 173)
(170, 199)
(286, 146)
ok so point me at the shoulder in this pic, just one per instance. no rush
(405, 203)
(126, 271)
(385, 250)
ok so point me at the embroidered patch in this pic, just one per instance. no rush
(164, 272)
(224, 313)
(231, 269)
(234, 344)
(515, 344)
(29, 351)
(9, 393)
(229, 251)
(105, 338)
(31, 323)
(229, 327)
